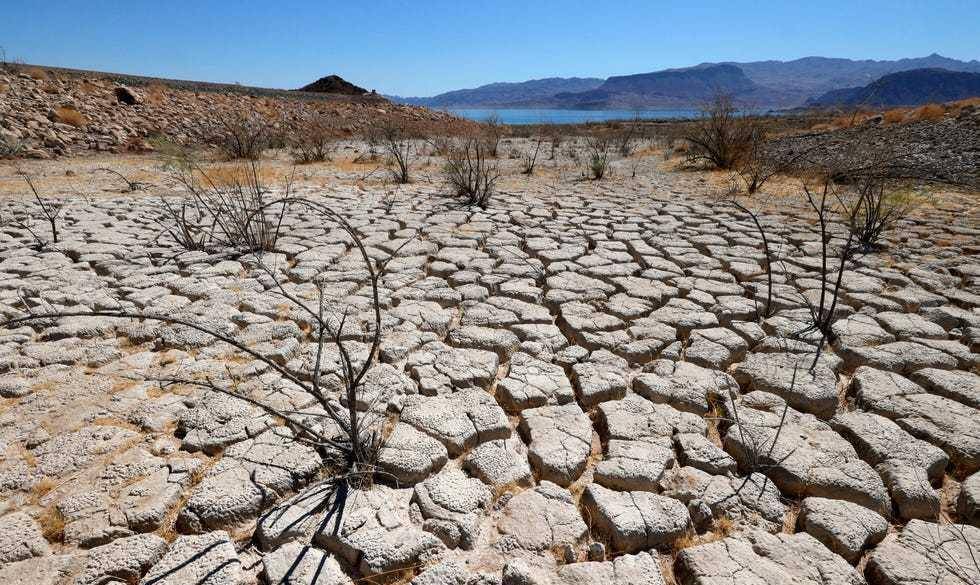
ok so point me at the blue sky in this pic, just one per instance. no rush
(422, 48)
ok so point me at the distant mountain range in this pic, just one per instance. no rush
(906, 88)
(762, 84)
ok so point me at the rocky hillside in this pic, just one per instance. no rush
(55, 112)
(907, 88)
(944, 150)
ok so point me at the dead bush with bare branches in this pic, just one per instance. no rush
(312, 139)
(597, 149)
(722, 136)
(493, 132)
(243, 135)
(398, 148)
(231, 216)
(470, 173)
(48, 209)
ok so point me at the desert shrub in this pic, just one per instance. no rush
(48, 209)
(223, 214)
(440, 145)
(155, 93)
(36, 73)
(243, 135)
(470, 173)
(721, 136)
(929, 113)
(555, 138)
(70, 116)
(529, 157)
(628, 137)
(826, 196)
(131, 185)
(756, 166)
(493, 131)
(9, 146)
(597, 164)
(894, 115)
(396, 144)
(875, 207)
(312, 140)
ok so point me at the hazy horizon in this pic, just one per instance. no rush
(423, 50)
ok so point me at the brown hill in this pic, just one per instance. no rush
(333, 84)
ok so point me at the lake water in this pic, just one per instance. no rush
(520, 117)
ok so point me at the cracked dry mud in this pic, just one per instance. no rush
(559, 374)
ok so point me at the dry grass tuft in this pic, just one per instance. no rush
(36, 73)
(42, 488)
(928, 113)
(52, 524)
(721, 528)
(70, 116)
(155, 94)
(894, 116)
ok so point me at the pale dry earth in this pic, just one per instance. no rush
(560, 374)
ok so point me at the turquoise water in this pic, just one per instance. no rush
(519, 117)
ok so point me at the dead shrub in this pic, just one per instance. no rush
(597, 164)
(70, 116)
(9, 146)
(36, 73)
(529, 158)
(398, 149)
(880, 206)
(155, 94)
(52, 524)
(493, 131)
(49, 209)
(243, 135)
(894, 116)
(928, 113)
(629, 136)
(722, 136)
(313, 140)
(469, 172)
(218, 215)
